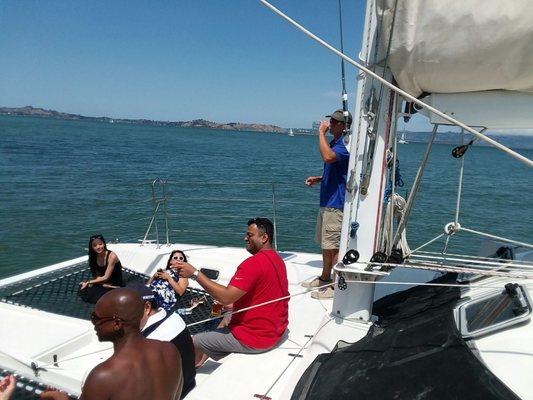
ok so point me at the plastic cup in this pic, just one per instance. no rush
(216, 309)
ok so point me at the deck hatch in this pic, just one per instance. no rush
(494, 311)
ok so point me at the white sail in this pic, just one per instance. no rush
(459, 46)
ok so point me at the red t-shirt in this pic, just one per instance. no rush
(263, 277)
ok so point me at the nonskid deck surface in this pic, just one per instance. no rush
(57, 292)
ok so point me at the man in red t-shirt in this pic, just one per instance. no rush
(260, 278)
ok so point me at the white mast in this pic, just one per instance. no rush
(366, 182)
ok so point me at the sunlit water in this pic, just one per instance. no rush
(62, 181)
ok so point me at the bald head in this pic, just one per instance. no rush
(124, 303)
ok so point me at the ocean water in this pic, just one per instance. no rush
(62, 181)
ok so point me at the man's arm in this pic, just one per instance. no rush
(327, 154)
(311, 180)
(223, 294)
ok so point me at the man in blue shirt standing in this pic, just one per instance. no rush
(332, 191)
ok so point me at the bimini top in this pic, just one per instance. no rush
(458, 46)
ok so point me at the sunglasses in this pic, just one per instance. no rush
(96, 237)
(180, 258)
(95, 318)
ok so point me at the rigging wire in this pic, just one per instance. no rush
(295, 295)
(419, 102)
(414, 190)
(501, 263)
(343, 78)
(518, 262)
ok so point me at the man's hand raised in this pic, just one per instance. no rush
(310, 181)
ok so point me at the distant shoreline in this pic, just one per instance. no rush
(524, 142)
(30, 111)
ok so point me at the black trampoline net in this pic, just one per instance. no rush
(57, 292)
(27, 389)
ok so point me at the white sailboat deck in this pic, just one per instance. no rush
(74, 344)
(43, 337)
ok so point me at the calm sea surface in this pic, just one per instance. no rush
(62, 181)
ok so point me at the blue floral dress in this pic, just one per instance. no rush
(165, 296)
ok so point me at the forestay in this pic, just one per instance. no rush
(459, 46)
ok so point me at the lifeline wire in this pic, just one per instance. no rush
(299, 294)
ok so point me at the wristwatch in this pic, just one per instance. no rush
(194, 275)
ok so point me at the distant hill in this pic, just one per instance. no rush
(30, 111)
(454, 138)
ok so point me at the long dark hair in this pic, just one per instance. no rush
(92, 254)
(172, 255)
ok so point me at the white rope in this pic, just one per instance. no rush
(199, 322)
(416, 185)
(434, 267)
(503, 263)
(460, 183)
(296, 356)
(391, 209)
(518, 262)
(425, 244)
(487, 139)
(261, 304)
(395, 211)
(458, 228)
(73, 358)
(515, 242)
(430, 284)
(299, 294)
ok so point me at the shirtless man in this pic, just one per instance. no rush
(139, 369)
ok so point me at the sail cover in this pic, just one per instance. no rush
(441, 46)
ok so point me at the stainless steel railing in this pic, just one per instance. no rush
(160, 211)
(159, 198)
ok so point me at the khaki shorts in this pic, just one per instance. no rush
(328, 228)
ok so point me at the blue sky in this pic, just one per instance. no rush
(224, 61)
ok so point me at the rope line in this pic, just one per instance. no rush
(312, 290)
(472, 257)
(520, 244)
(296, 356)
(459, 270)
(416, 184)
(425, 244)
(200, 322)
(497, 263)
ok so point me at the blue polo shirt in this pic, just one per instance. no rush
(333, 183)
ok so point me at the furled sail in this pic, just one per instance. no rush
(441, 46)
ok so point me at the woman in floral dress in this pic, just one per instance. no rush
(167, 284)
